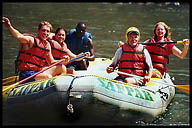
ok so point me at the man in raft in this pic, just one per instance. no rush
(35, 51)
(79, 40)
(132, 58)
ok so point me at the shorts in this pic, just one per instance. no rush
(139, 81)
(76, 65)
(25, 74)
(156, 73)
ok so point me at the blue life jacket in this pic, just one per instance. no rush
(77, 46)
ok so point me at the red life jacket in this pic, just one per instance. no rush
(132, 60)
(58, 50)
(159, 55)
(35, 58)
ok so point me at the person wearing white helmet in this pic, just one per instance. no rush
(132, 58)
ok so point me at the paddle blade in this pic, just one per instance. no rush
(10, 80)
(184, 88)
(180, 42)
(7, 88)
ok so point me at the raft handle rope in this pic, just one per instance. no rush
(164, 95)
(70, 109)
(115, 81)
(69, 105)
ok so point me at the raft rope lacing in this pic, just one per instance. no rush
(119, 82)
(107, 79)
(163, 95)
(70, 108)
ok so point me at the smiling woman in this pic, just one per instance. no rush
(60, 35)
(160, 53)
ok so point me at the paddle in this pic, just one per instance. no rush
(184, 88)
(16, 84)
(166, 42)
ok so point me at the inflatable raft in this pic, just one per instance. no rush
(151, 99)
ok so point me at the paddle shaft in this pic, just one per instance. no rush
(166, 42)
(16, 84)
(184, 88)
(127, 74)
(120, 43)
(70, 61)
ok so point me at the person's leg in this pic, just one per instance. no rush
(25, 74)
(130, 80)
(55, 70)
(58, 70)
(70, 71)
(119, 78)
(156, 73)
(134, 81)
(71, 68)
(83, 64)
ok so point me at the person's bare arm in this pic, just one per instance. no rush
(16, 34)
(91, 48)
(179, 53)
(22, 39)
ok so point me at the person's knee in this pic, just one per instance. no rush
(83, 65)
(43, 76)
(61, 69)
(130, 81)
(58, 70)
(49, 76)
(70, 71)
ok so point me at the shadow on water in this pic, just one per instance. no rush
(57, 115)
(87, 111)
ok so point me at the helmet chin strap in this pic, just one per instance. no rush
(132, 46)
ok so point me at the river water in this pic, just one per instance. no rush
(107, 22)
